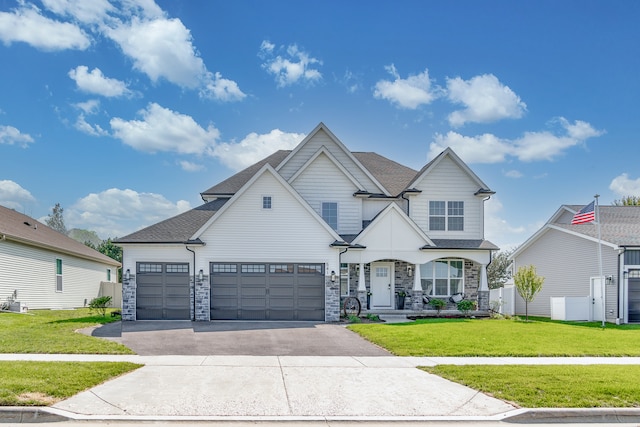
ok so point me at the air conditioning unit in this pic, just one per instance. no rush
(18, 307)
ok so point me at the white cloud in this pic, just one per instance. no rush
(29, 26)
(93, 130)
(532, 146)
(190, 166)
(161, 48)
(116, 212)
(513, 174)
(162, 129)
(95, 82)
(12, 195)
(486, 148)
(255, 147)
(497, 229)
(624, 186)
(485, 98)
(295, 66)
(91, 106)
(87, 12)
(10, 135)
(216, 87)
(409, 93)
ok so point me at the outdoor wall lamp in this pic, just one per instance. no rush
(608, 280)
(127, 274)
(409, 271)
(200, 275)
(333, 276)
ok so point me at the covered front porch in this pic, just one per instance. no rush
(434, 287)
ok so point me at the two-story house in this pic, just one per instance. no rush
(292, 235)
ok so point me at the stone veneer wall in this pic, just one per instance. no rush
(203, 296)
(129, 298)
(331, 300)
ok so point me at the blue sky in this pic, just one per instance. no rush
(124, 111)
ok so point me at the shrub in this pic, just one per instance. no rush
(437, 304)
(465, 306)
(100, 304)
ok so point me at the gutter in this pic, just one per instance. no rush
(196, 242)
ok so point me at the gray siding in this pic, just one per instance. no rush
(567, 262)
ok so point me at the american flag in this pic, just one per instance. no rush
(586, 214)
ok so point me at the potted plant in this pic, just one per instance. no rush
(400, 299)
(438, 304)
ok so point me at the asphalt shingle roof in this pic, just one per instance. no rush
(22, 228)
(392, 175)
(620, 225)
(177, 229)
(462, 244)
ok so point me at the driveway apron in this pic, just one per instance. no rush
(270, 369)
(154, 338)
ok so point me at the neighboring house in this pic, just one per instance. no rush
(290, 236)
(567, 257)
(42, 268)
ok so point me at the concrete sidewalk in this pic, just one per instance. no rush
(288, 387)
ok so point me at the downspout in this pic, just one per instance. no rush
(620, 284)
(402, 197)
(194, 281)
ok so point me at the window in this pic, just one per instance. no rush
(446, 216)
(436, 216)
(177, 268)
(253, 268)
(443, 277)
(224, 268)
(344, 279)
(146, 267)
(281, 268)
(310, 269)
(58, 275)
(266, 202)
(455, 211)
(330, 214)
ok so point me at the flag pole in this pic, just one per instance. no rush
(602, 286)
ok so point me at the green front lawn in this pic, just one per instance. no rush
(45, 383)
(553, 386)
(53, 331)
(491, 337)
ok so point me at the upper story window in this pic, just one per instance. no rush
(266, 202)
(330, 214)
(446, 215)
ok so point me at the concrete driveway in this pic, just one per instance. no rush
(157, 338)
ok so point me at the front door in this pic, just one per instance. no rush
(382, 285)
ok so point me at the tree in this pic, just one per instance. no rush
(55, 219)
(498, 271)
(627, 201)
(109, 249)
(528, 284)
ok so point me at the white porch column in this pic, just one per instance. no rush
(361, 283)
(417, 284)
(484, 282)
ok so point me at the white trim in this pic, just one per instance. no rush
(265, 169)
(322, 126)
(454, 157)
(325, 151)
(385, 212)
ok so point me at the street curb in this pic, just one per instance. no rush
(26, 414)
(578, 415)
